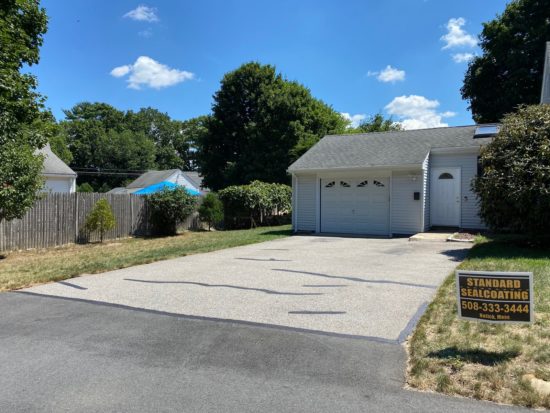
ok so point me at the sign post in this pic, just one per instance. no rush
(495, 297)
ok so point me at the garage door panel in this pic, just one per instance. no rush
(357, 206)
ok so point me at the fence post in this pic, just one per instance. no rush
(75, 217)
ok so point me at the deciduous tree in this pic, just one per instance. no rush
(260, 123)
(509, 72)
(22, 26)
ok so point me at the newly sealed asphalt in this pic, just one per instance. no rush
(106, 353)
(364, 287)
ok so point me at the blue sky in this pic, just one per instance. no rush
(361, 57)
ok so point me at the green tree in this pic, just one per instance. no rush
(376, 123)
(260, 123)
(85, 187)
(169, 208)
(509, 72)
(100, 219)
(211, 210)
(514, 188)
(22, 124)
(99, 137)
(187, 143)
(164, 132)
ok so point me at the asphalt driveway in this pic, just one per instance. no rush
(373, 288)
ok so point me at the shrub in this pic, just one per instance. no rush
(169, 208)
(514, 188)
(100, 218)
(85, 187)
(211, 210)
(258, 203)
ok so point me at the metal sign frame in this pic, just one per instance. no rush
(495, 274)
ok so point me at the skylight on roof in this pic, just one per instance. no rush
(485, 131)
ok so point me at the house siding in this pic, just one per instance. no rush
(406, 213)
(469, 209)
(66, 185)
(426, 192)
(305, 203)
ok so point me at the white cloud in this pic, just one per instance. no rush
(354, 119)
(388, 74)
(120, 71)
(148, 72)
(143, 13)
(391, 74)
(417, 112)
(456, 36)
(463, 57)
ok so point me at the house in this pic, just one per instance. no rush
(188, 179)
(57, 174)
(388, 183)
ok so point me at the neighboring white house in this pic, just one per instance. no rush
(57, 174)
(386, 183)
(188, 179)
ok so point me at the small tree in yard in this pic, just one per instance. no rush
(211, 210)
(100, 219)
(169, 208)
(514, 188)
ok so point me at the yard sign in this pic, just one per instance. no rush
(495, 297)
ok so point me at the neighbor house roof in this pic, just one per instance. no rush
(384, 149)
(151, 177)
(194, 178)
(53, 165)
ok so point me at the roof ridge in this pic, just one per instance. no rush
(410, 130)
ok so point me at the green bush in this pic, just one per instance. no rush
(258, 203)
(100, 218)
(169, 208)
(514, 188)
(85, 187)
(211, 210)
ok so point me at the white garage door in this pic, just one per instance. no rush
(355, 206)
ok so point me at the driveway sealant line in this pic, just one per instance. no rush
(236, 287)
(214, 319)
(412, 323)
(361, 280)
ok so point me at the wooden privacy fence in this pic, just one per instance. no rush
(58, 219)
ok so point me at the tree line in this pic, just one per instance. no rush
(260, 123)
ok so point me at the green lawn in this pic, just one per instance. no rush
(26, 268)
(480, 360)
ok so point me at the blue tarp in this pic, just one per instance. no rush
(151, 189)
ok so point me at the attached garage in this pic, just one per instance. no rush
(381, 183)
(355, 205)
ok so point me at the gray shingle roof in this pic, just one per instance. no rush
(150, 178)
(194, 178)
(52, 164)
(384, 148)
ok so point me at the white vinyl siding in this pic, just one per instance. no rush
(406, 213)
(426, 192)
(64, 185)
(469, 217)
(305, 203)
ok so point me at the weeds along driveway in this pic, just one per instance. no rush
(374, 288)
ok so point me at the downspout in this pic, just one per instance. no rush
(545, 92)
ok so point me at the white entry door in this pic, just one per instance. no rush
(445, 197)
(355, 206)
